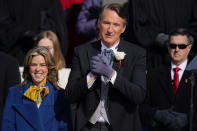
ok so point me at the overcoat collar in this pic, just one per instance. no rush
(37, 117)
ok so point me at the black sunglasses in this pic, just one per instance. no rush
(180, 46)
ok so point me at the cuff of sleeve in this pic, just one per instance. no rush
(113, 78)
(90, 80)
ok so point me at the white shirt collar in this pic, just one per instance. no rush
(181, 66)
(114, 47)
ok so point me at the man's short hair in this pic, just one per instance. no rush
(118, 8)
(181, 31)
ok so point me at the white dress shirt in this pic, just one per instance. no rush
(182, 69)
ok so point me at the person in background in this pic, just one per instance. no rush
(106, 88)
(21, 21)
(37, 103)
(86, 25)
(9, 76)
(50, 40)
(150, 22)
(167, 103)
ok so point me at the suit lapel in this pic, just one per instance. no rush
(95, 50)
(182, 98)
(116, 63)
(184, 81)
(29, 111)
(38, 117)
(166, 83)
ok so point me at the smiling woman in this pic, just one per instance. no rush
(33, 104)
(38, 70)
(39, 65)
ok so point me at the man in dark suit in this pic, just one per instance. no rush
(9, 76)
(166, 107)
(107, 90)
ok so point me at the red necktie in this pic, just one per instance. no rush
(176, 79)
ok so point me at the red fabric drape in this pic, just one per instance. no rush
(68, 3)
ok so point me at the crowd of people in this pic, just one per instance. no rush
(130, 73)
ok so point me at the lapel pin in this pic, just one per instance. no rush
(186, 80)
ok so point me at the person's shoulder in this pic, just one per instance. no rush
(16, 90)
(132, 46)
(87, 46)
(64, 70)
(13, 89)
(6, 58)
(63, 75)
(15, 95)
(132, 49)
(54, 90)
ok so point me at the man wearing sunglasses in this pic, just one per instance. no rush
(166, 107)
(179, 47)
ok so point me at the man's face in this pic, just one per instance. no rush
(178, 55)
(111, 26)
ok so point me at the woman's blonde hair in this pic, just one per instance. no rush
(52, 72)
(58, 57)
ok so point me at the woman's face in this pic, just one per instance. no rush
(48, 44)
(38, 70)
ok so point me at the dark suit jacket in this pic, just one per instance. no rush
(22, 114)
(160, 96)
(9, 76)
(123, 97)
